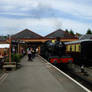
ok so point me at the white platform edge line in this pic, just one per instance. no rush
(86, 89)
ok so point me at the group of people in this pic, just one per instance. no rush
(31, 53)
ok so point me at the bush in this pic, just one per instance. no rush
(14, 58)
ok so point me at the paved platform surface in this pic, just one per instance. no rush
(37, 76)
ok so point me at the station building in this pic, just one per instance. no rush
(86, 36)
(3, 48)
(26, 38)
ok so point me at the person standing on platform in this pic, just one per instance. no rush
(33, 52)
(37, 50)
(29, 54)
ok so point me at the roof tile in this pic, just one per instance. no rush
(59, 33)
(26, 34)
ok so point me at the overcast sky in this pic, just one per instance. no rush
(45, 16)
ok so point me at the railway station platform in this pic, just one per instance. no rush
(38, 76)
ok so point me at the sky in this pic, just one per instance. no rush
(45, 16)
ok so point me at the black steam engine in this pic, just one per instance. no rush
(55, 52)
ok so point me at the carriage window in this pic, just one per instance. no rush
(79, 47)
(70, 48)
(75, 48)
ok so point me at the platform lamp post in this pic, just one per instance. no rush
(10, 50)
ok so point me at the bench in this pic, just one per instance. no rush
(9, 66)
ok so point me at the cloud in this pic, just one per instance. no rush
(18, 4)
(45, 16)
(76, 8)
(73, 8)
(42, 26)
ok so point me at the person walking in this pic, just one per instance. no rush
(29, 54)
(33, 52)
(37, 51)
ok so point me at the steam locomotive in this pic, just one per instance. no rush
(55, 52)
(78, 52)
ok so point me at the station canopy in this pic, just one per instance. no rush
(4, 45)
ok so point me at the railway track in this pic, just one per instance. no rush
(78, 76)
(81, 80)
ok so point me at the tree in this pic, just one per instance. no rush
(71, 32)
(78, 34)
(66, 31)
(89, 31)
